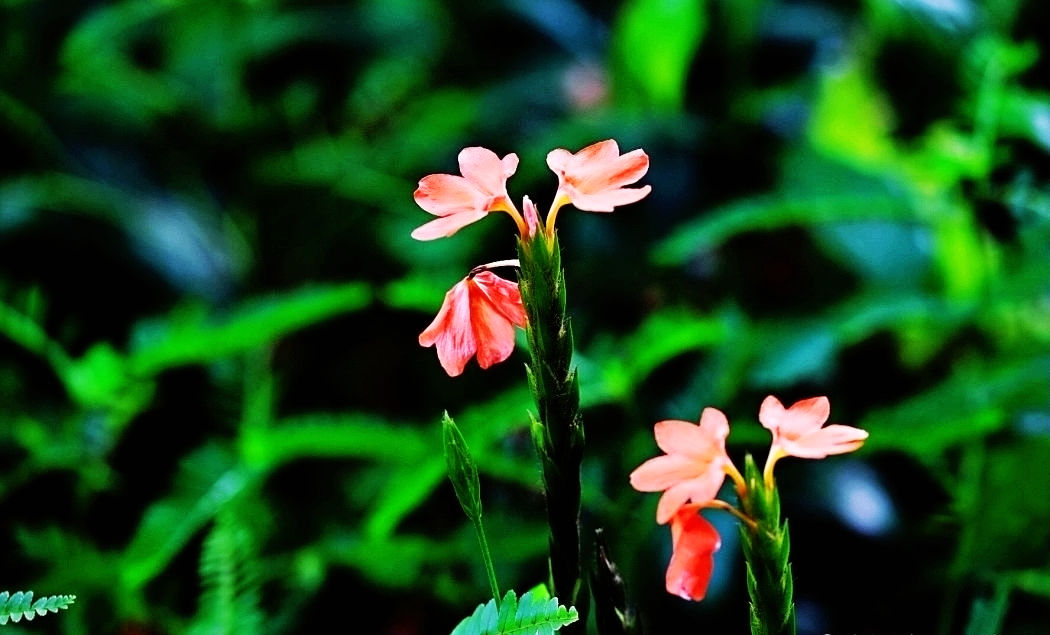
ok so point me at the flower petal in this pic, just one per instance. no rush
(662, 472)
(493, 333)
(446, 225)
(486, 170)
(672, 500)
(503, 295)
(692, 562)
(450, 332)
(699, 490)
(801, 418)
(834, 439)
(445, 194)
(608, 200)
(614, 171)
(674, 436)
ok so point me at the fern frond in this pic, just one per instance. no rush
(536, 613)
(20, 605)
(229, 601)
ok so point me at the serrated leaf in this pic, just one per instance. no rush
(535, 613)
(19, 605)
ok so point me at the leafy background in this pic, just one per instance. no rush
(214, 416)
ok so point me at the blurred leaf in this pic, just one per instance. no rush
(72, 562)
(794, 353)
(986, 614)
(613, 368)
(419, 292)
(406, 487)
(1034, 581)
(884, 252)
(774, 212)
(98, 69)
(208, 479)
(851, 120)
(1013, 527)
(655, 58)
(974, 401)
(189, 341)
(1026, 115)
(336, 435)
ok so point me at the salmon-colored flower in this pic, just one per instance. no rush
(694, 542)
(593, 179)
(478, 317)
(798, 431)
(694, 466)
(462, 200)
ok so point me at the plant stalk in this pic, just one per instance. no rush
(486, 555)
(767, 547)
(558, 432)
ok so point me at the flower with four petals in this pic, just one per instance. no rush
(462, 200)
(797, 431)
(593, 179)
(694, 466)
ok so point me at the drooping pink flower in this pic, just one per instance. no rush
(798, 431)
(478, 317)
(694, 542)
(694, 466)
(462, 200)
(593, 179)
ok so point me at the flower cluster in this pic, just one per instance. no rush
(480, 312)
(695, 464)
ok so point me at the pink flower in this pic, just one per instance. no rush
(694, 466)
(797, 431)
(694, 542)
(478, 316)
(462, 200)
(593, 179)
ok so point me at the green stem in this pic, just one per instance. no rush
(486, 555)
(767, 548)
(558, 433)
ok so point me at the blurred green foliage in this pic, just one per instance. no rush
(215, 417)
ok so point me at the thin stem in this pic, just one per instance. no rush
(486, 555)
(741, 516)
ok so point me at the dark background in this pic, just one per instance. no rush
(214, 414)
